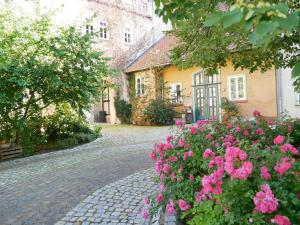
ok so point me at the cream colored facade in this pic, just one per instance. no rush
(260, 88)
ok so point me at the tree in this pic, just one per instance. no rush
(256, 35)
(41, 65)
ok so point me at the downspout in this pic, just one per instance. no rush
(279, 91)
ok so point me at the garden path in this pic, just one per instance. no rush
(41, 189)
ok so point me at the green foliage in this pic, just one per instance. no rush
(159, 112)
(123, 110)
(254, 35)
(230, 108)
(62, 129)
(66, 123)
(41, 65)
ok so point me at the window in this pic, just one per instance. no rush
(237, 87)
(89, 29)
(103, 31)
(140, 86)
(297, 98)
(175, 93)
(127, 36)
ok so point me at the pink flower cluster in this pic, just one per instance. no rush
(281, 220)
(284, 165)
(212, 183)
(278, 140)
(208, 153)
(233, 157)
(183, 205)
(264, 173)
(289, 148)
(170, 207)
(265, 201)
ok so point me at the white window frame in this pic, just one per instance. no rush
(127, 35)
(173, 91)
(89, 28)
(103, 25)
(297, 99)
(237, 91)
(140, 86)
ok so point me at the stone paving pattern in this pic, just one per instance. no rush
(40, 190)
(118, 203)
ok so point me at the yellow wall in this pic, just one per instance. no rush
(260, 92)
(260, 87)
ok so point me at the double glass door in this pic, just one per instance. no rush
(206, 96)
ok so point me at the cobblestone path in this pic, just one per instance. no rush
(42, 189)
(118, 203)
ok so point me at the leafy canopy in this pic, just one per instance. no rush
(255, 35)
(41, 65)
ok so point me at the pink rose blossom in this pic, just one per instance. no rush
(289, 148)
(237, 129)
(212, 183)
(246, 133)
(209, 137)
(191, 177)
(283, 166)
(193, 130)
(158, 167)
(265, 201)
(208, 153)
(183, 205)
(153, 155)
(200, 123)
(173, 158)
(166, 168)
(179, 123)
(170, 208)
(256, 113)
(234, 155)
(162, 187)
(169, 138)
(181, 143)
(281, 220)
(278, 140)
(178, 179)
(259, 131)
(218, 161)
(145, 214)
(159, 198)
(264, 173)
(167, 146)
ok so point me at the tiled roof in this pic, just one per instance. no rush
(156, 55)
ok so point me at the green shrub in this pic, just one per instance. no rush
(230, 108)
(242, 172)
(159, 112)
(123, 110)
(62, 129)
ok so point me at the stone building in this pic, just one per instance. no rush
(125, 27)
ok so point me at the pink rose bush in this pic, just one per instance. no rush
(246, 172)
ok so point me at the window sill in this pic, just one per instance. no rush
(240, 101)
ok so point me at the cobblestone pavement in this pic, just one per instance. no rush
(117, 203)
(42, 189)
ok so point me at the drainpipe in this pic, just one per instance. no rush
(279, 91)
